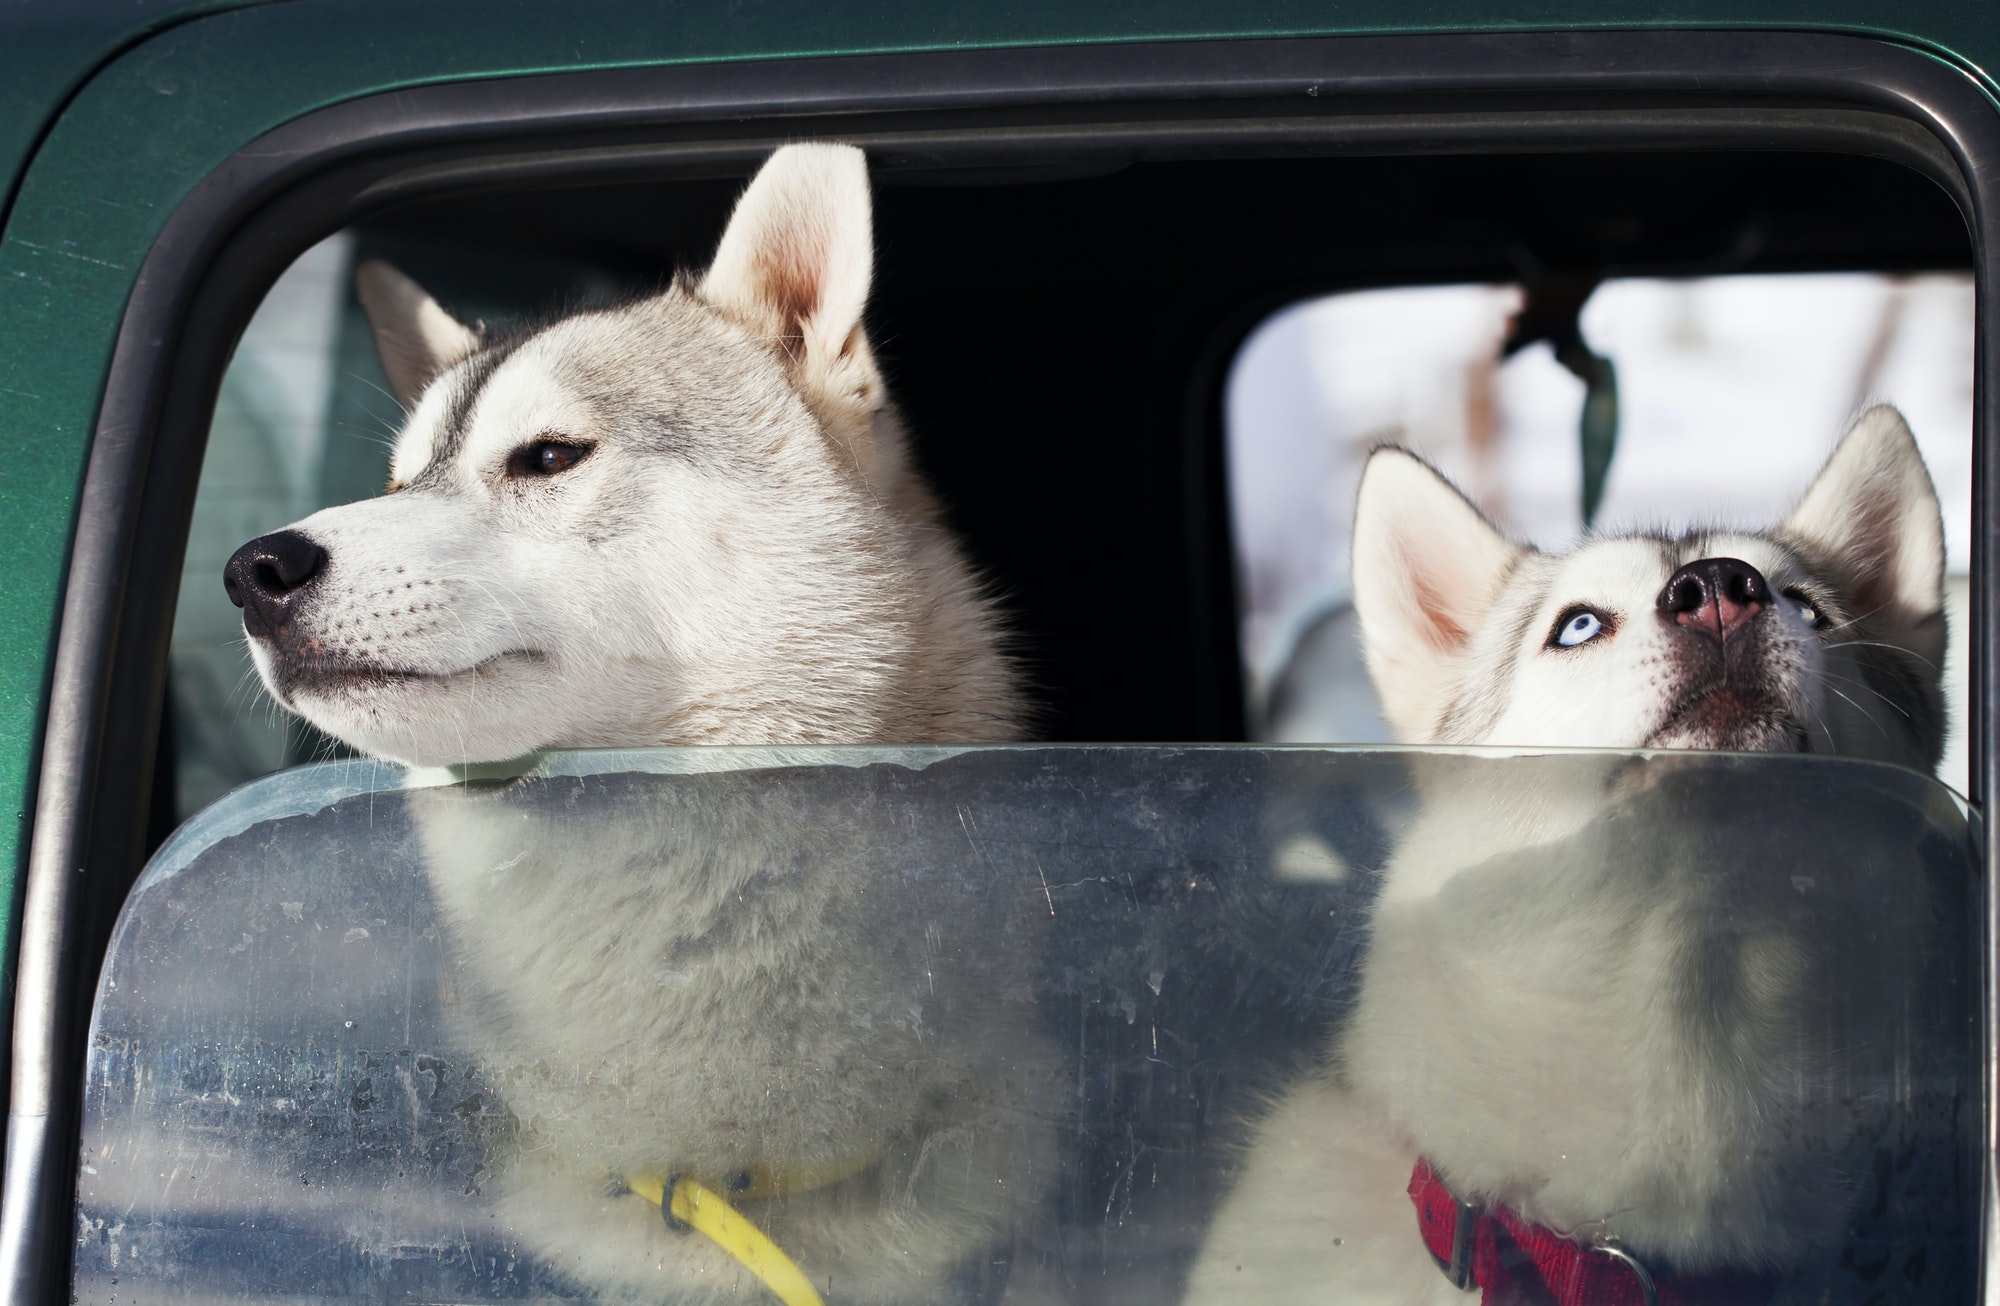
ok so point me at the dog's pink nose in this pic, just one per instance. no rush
(1715, 596)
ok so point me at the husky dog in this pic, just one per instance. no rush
(1583, 1005)
(690, 519)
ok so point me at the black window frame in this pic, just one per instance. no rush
(225, 243)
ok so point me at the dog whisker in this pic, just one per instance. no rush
(1865, 687)
(1877, 643)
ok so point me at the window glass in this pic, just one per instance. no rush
(1731, 392)
(935, 1023)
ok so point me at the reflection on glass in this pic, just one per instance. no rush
(1071, 1024)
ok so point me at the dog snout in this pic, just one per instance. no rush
(1715, 596)
(267, 576)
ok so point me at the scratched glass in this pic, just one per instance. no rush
(941, 1025)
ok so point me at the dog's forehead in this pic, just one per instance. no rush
(435, 433)
(1761, 551)
(1611, 568)
(510, 389)
(418, 439)
(529, 394)
(654, 362)
(1636, 566)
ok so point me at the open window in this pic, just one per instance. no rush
(1139, 341)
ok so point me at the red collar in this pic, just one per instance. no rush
(1514, 1261)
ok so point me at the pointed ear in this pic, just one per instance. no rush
(416, 338)
(1873, 514)
(795, 263)
(1427, 570)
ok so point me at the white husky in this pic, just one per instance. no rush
(691, 519)
(1607, 1040)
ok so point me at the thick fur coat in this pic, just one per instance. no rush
(1593, 998)
(689, 519)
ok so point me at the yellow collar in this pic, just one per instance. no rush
(687, 1203)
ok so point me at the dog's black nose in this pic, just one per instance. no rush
(268, 574)
(1715, 596)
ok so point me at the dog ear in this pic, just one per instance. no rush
(416, 338)
(1873, 515)
(794, 268)
(1427, 569)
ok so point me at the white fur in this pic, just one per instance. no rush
(1523, 1020)
(744, 556)
(1456, 618)
(692, 983)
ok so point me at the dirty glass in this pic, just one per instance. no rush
(1084, 1024)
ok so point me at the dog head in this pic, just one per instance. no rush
(672, 521)
(1823, 635)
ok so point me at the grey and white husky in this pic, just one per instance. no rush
(1575, 1006)
(690, 519)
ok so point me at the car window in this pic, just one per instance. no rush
(952, 1024)
(1731, 391)
(934, 1021)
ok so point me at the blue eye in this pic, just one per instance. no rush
(1809, 610)
(1578, 626)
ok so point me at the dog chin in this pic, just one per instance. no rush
(414, 736)
(1732, 721)
(416, 718)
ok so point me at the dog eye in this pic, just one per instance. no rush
(1807, 608)
(1577, 626)
(546, 457)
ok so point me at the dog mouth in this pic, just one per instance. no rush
(1735, 718)
(319, 674)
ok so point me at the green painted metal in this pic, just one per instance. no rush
(48, 50)
(139, 133)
